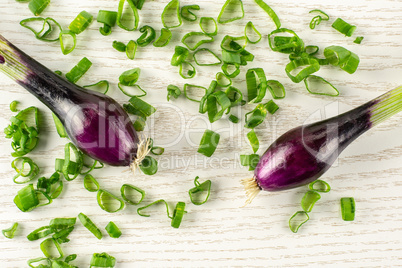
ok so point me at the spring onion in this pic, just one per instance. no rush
(68, 41)
(62, 223)
(26, 198)
(187, 14)
(59, 127)
(230, 43)
(108, 18)
(48, 245)
(253, 139)
(319, 186)
(193, 40)
(234, 119)
(126, 193)
(206, 53)
(148, 35)
(340, 56)
(178, 214)
(230, 57)
(348, 208)
(250, 30)
(119, 46)
(190, 90)
(319, 86)
(271, 107)
(139, 124)
(235, 96)
(109, 202)
(171, 15)
(40, 233)
(102, 259)
(90, 183)
(139, 210)
(232, 10)
(187, 70)
(38, 260)
(164, 38)
(180, 55)
(139, 3)
(81, 22)
(37, 6)
(79, 70)
(309, 199)
(217, 103)
(311, 64)
(149, 166)
(205, 25)
(98, 87)
(256, 84)
(250, 161)
(271, 13)
(13, 106)
(113, 230)
(43, 34)
(19, 165)
(208, 143)
(200, 188)
(222, 79)
(343, 27)
(140, 107)
(231, 70)
(173, 91)
(297, 220)
(318, 18)
(256, 116)
(10, 232)
(285, 41)
(276, 88)
(358, 40)
(122, 21)
(66, 168)
(90, 225)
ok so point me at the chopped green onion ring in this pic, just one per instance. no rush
(223, 80)
(234, 119)
(256, 116)
(18, 165)
(81, 22)
(297, 220)
(37, 6)
(187, 14)
(59, 127)
(204, 25)
(106, 199)
(149, 166)
(171, 15)
(108, 18)
(253, 139)
(41, 232)
(120, 22)
(113, 230)
(208, 143)
(90, 225)
(173, 91)
(256, 84)
(228, 73)
(250, 27)
(131, 49)
(123, 190)
(66, 166)
(67, 48)
(187, 88)
(119, 46)
(312, 67)
(61, 223)
(90, 183)
(102, 259)
(309, 199)
(271, 107)
(42, 34)
(187, 38)
(120, 86)
(208, 51)
(343, 27)
(103, 83)
(217, 103)
(250, 161)
(229, 43)
(187, 73)
(318, 18)
(235, 96)
(348, 208)
(229, 6)
(141, 107)
(153, 203)
(200, 187)
(164, 38)
(10, 232)
(130, 77)
(41, 259)
(178, 214)
(79, 70)
(26, 198)
(271, 13)
(148, 35)
(322, 82)
(180, 55)
(319, 186)
(358, 40)
(276, 88)
(48, 244)
(13, 106)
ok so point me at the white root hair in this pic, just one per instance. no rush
(142, 151)
(252, 189)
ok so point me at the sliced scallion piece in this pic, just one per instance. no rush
(97, 86)
(139, 210)
(37, 6)
(230, 57)
(90, 183)
(178, 214)
(109, 202)
(102, 259)
(234, 119)
(319, 186)
(90, 225)
(187, 70)
(358, 40)
(10, 232)
(46, 262)
(271, 106)
(164, 38)
(68, 41)
(67, 160)
(271, 13)
(171, 15)
(223, 80)
(62, 223)
(41, 232)
(318, 18)
(205, 25)
(200, 188)
(230, 43)
(256, 116)
(276, 88)
(59, 127)
(193, 40)
(187, 14)
(126, 23)
(297, 220)
(231, 70)
(148, 35)
(343, 27)
(206, 53)
(348, 208)
(180, 55)
(309, 199)
(26, 198)
(250, 30)
(285, 41)
(149, 166)
(319, 86)
(131, 49)
(113, 230)
(235, 96)
(13, 106)
(256, 84)
(141, 107)
(108, 18)
(126, 193)
(311, 64)
(130, 77)
(79, 70)
(208, 143)
(217, 103)
(173, 91)
(119, 46)
(47, 29)
(19, 165)
(250, 161)
(253, 139)
(47, 245)
(232, 10)
(191, 90)
(81, 22)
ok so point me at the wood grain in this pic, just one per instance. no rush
(220, 233)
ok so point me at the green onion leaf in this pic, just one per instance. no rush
(217, 103)
(191, 90)
(319, 86)
(37, 6)
(62, 223)
(229, 43)
(250, 161)
(98, 87)
(317, 19)
(276, 88)
(256, 84)
(79, 70)
(285, 41)
(230, 57)
(250, 27)
(90, 225)
(187, 14)
(108, 18)
(358, 40)
(47, 245)
(102, 259)
(205, 25)
(234, 119)
(143, 109)
(81, 22)
(10, 232)
(26, 198)
(319, 186)
(41, 259)
(119, 46)
(311, 64)
(180, 55)
(113, 230)
(148, 35)
(130, 77)
(253, 139)
(232, 10)
(127, 194)
(256, 116)
(109, 202)
(347, 60)
(90, 183)
(164, 38)
(271, 107)
(171, 15)
(173, 91)
(68, 41)
(127, 91)
(208, 143)
(59, 127)
(187, 73)
(153, 203)
(343, 27)
(223, 80)
(13, 106)
(66, 169)
(231, 73)
(193, 40)
(139, 3)
(127, 23)
(178, 214)
(19, 165)
(40, 233)
(149, 166)
(271, 13)
(297, 220)
(235, 96)
(203, 188)
(348, 208)
(206, 53)
(309, 199)
(46, 30)
(131, 49)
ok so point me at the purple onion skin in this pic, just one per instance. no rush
(304, 153)
(95, 123)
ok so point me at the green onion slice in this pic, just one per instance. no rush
(187, 14)
(127, 23)
(271, 13)
(235, 96)
(156, 150)
(203, 103)
(208, 143)
(205, 25)
(200, 188)
(127, 91)
(319, 186)
(319, 86)
(358, 40)
(180, 55)
(336, 55)
(311, 64)
(38, 260)
(13, 106)
(256, 116)
(249, 31)
(271, 107)
(113, 230)
(164, 38)
(178, 214)
(131, 49)
(40, 233)
(173, 91)
(126, 193)
(206, 53)
(297, 220)
(46, 30)
(231, 70)
(19, 165)
(229, 43)
(66, 165)
(148, 35)
(70, 258)
(130, 77)
(149, 166)
(223, 80)
(309, 199)
(189, 72)
(217, 103)
(68, 41)
(79, 70)
(81, 22)
(171, 15)
(256, 84)
(348, 208)
(119, 46)
(140, 107)
(101, 87)
(318, 18)
(250, 161)
(351, 64)
(26, 198)
(10, 232)
(90, 183)
(343, 27)
(62, 223)
(276, 88)
(234, 119)
(139, 210)
(47, 245)
(90, 225)
(47, 198)
(193, 40)
(230, 57)
(37, 6)
(139, 124)
(253, 139)
(232, 10)
(285, 41)
(108, 18)
(192, 90)
(311, 50)
(59, 127)
(139, 3)
(109, 202)
(61, 236)
(102, 259)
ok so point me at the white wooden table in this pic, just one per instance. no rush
(220, 233)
